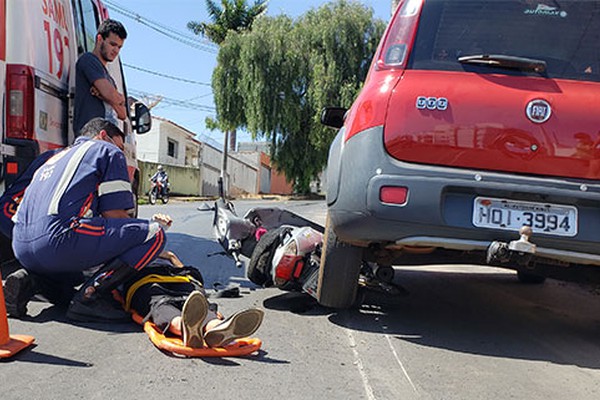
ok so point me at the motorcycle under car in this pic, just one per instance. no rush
(283, 249)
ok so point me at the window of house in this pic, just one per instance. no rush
(173, 148)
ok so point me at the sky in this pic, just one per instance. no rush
(179, 72)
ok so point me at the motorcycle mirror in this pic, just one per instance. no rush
(205, 207)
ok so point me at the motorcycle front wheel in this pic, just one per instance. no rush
(152, 196)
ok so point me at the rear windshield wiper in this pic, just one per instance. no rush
(502, 61)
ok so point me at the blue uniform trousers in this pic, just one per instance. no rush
(55, 247)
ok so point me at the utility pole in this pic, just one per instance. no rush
(223, 183)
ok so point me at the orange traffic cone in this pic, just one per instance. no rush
(10, 345)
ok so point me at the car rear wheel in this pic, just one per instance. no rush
(338, 273)
(531, 279)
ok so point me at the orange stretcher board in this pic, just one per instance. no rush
(239, 347)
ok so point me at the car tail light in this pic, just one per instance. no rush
(400, 36)
(393, 195)
(19, 107)
(370, 108)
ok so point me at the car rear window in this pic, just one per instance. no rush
(564, 34)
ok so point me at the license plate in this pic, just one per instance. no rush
(550, 219)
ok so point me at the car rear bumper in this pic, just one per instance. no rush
(439, 208)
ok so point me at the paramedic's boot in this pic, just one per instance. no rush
(193, 315)
(94, 301)
(241, 324)
(19, 288)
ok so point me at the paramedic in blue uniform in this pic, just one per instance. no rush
(74, 216)
(96, 93)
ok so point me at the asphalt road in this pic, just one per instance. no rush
(461, 332)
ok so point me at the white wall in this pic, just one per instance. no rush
(147, 143)
(153, 146)
(242, 175)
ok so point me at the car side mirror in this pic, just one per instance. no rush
(142, 120)
(333, 116)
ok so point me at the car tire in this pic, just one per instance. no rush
(338, 272)
(530, 279)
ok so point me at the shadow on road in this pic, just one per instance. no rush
(487, 314)
(206, 255)
(297, 303)
(33, 357)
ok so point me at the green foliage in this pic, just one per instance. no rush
(231, 15)
(275, 79)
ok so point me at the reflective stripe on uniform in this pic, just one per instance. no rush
(153, 228)
(67, 176)
(114, 187)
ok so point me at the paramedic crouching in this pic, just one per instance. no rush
(73, 217)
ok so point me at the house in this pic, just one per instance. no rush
(168, 143)
(175, 148)
(194, 166)
(269, 179)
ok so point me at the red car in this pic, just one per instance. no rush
(475, 139)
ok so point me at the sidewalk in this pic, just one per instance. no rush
(275, 197)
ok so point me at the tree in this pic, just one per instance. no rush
(287, 71)
(231, 15)
(234, 16)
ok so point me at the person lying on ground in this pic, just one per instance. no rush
(172, 296)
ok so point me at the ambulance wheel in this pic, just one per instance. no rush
(338, 272)
(133, 213)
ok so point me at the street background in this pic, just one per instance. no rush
(461, 332)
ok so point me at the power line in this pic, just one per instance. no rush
(174, 102)
(203, 45)
(175, 78)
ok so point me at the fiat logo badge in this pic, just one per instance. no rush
(538, 111)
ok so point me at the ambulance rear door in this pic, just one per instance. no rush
(40, 57)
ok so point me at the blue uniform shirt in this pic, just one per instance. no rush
(81, 182)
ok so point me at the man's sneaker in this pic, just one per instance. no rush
(193, 315)
(18, 290)
(96, 309)
(241, 324)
